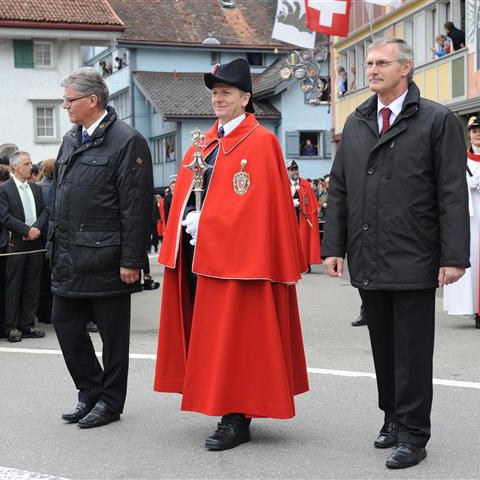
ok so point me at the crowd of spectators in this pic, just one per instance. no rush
(38, 286)
(452, 40)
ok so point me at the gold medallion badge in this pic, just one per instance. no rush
(241, 180)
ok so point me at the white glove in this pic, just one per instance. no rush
(472, 182)
(296, 202)
(191, 224)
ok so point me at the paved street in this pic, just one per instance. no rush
(331, 436)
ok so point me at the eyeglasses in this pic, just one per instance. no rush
(380, 64)
(68, 101)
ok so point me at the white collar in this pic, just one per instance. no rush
(18, 183)
(94, 126)
(232, 124)
(395, 107)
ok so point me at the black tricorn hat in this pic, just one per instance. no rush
(292, 165)
(235, 73)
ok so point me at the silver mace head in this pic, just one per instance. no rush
(198, 165)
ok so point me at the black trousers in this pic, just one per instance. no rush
(112, 316)
(22, 290)
(44, 311)
(154, 236)
(402, 331)
(3, 284)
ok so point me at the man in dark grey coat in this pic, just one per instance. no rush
(398, 208)
(99, 226)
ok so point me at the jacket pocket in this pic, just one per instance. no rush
(420, 232)
(92, 171)
(96, 252)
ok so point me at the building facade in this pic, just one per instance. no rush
(40, 43)
(452, 80)
(166, 48)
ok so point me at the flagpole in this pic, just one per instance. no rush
(369, 11)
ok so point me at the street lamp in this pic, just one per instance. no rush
(305, 66)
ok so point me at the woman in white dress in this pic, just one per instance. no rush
(461, 298)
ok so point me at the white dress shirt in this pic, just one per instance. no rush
(232, 124)
(395, 109)
(94, 126)
(32, 207)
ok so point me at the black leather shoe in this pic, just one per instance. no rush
(14, 336)
(477, 320)
(388, 436)
(80, 411)
(33, 332)
(361, 320)
(227, 435)
(406, 455)
(100, 415)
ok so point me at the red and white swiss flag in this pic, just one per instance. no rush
(330, 17)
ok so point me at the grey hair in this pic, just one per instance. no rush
(17, 156)
(404, 51)
(87, 81)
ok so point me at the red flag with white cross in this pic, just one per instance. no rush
(330, 17)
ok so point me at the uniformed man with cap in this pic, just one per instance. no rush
(306, 208)
(230, 338)
(462, 297)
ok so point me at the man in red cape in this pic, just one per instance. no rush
(230, 338)
(306, 208)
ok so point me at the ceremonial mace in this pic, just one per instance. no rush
(198, 166)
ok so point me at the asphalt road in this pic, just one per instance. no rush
(331, 436)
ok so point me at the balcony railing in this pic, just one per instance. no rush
(118, 80)
(443, 80)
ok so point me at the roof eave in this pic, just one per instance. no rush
(271, 92)
(62, 26)
(222, 46)
(176, 117)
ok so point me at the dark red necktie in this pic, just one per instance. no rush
(385, 111)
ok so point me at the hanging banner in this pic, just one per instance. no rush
(290, 24)
(330, 17)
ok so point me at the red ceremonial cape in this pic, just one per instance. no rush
(239, 348)
(309, 235)
(240, 236)
(161, 222)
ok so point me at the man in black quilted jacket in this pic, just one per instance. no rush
(398, 209)
(99, 226)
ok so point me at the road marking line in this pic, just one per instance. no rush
(7, 473)
(318, 371)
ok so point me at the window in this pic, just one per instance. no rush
(157, 151)
(45, 122)
(256, 59)
(164, 149)
(170, 148)
(308, 144)
(30, 54)
(42, 54)
(23, 53)
(215, 57)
